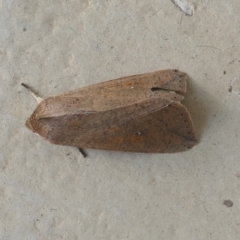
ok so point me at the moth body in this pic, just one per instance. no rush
(140, 113)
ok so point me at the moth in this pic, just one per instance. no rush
(140, 113)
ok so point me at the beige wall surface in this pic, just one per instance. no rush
(52, 192)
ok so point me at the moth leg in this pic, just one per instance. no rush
(82, 152)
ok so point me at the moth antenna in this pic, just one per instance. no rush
(38, 99)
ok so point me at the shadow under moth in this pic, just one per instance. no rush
(140, 113)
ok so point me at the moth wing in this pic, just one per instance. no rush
(65, 105)
(152, 125)
(166, 130)
(128, 90)
(56, 119)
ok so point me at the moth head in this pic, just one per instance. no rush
(28, 124)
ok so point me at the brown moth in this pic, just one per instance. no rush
(140, 113)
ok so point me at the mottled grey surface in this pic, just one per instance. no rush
(52, 192)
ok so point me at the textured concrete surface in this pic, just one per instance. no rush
(52, 192)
